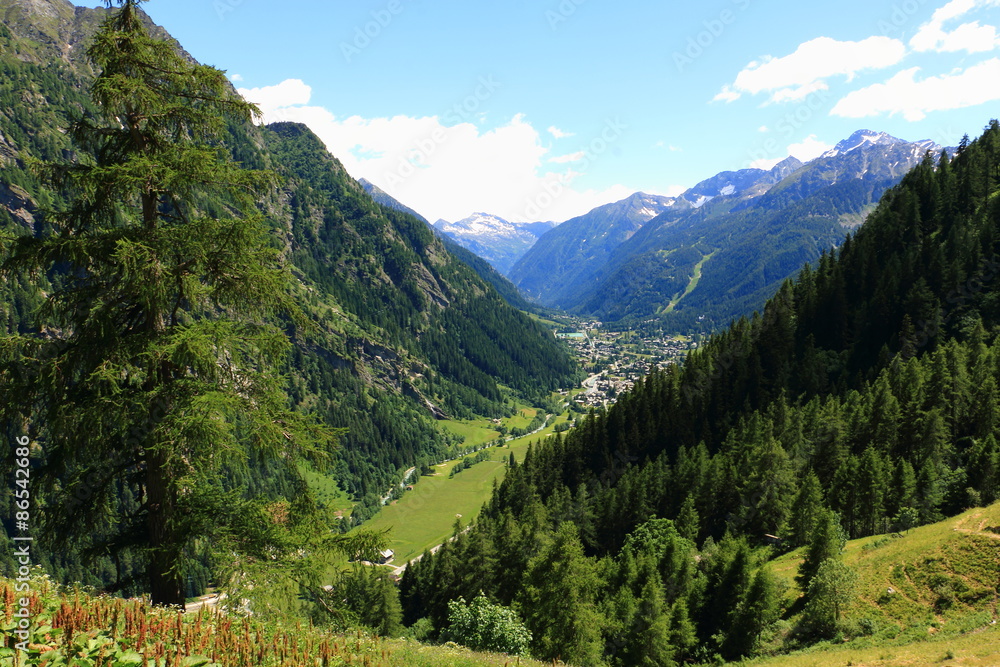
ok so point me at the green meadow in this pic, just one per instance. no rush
(929, 597)
(426, 516)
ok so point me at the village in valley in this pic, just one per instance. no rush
(615, 360)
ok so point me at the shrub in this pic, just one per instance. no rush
(484, 626)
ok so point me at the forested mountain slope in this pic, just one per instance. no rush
(563, 258)
(406, 333)
(867, 388)
(485, 270)
(700, 268)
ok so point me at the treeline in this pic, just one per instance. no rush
(469, 461)
(868, 388)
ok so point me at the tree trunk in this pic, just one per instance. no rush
(166, 585)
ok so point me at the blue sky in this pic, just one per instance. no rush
(541, 110)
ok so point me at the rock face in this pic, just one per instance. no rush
(18, 203)
(47, 30)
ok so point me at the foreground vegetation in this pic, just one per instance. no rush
(923, 597)
(943, 609)
(73, 627)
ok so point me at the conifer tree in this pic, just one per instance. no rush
(805, 511)
(984, 468)
(558, 601)
(827, 541)
(688, 521)
(758, 610)
(649, 639)
(154, 382)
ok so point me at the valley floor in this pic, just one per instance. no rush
(425, 517)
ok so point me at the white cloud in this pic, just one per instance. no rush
(235, 77)
(727, 94)
(793, 77)
(913, 98)
(445, 171)
(798, 94)
(559, 134)
(572, 157)
(809, 149)
(289, 92)
(766, 163)
(970, 37)
(763, 128)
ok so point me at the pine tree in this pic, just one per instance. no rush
(558, 601)
(688, 521)
(873, 480)
(758, 610)
(156, 372)
(683, 634)
(649, 639)
(984, 468)
(805, 511)
(827, 541)
(904, 487)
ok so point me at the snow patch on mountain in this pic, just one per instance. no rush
(862, 139)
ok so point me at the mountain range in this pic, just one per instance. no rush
(494, 239)
(695, 261)
(566, 257)
(719, 249)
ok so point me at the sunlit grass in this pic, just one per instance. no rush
(425, 517)
(930, 593)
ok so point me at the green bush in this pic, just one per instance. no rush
(484, 626)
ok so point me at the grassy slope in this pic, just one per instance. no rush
(945, 579)
(692, 284)
(425, 517)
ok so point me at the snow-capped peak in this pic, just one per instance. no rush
(861, 139)
(479, 223)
